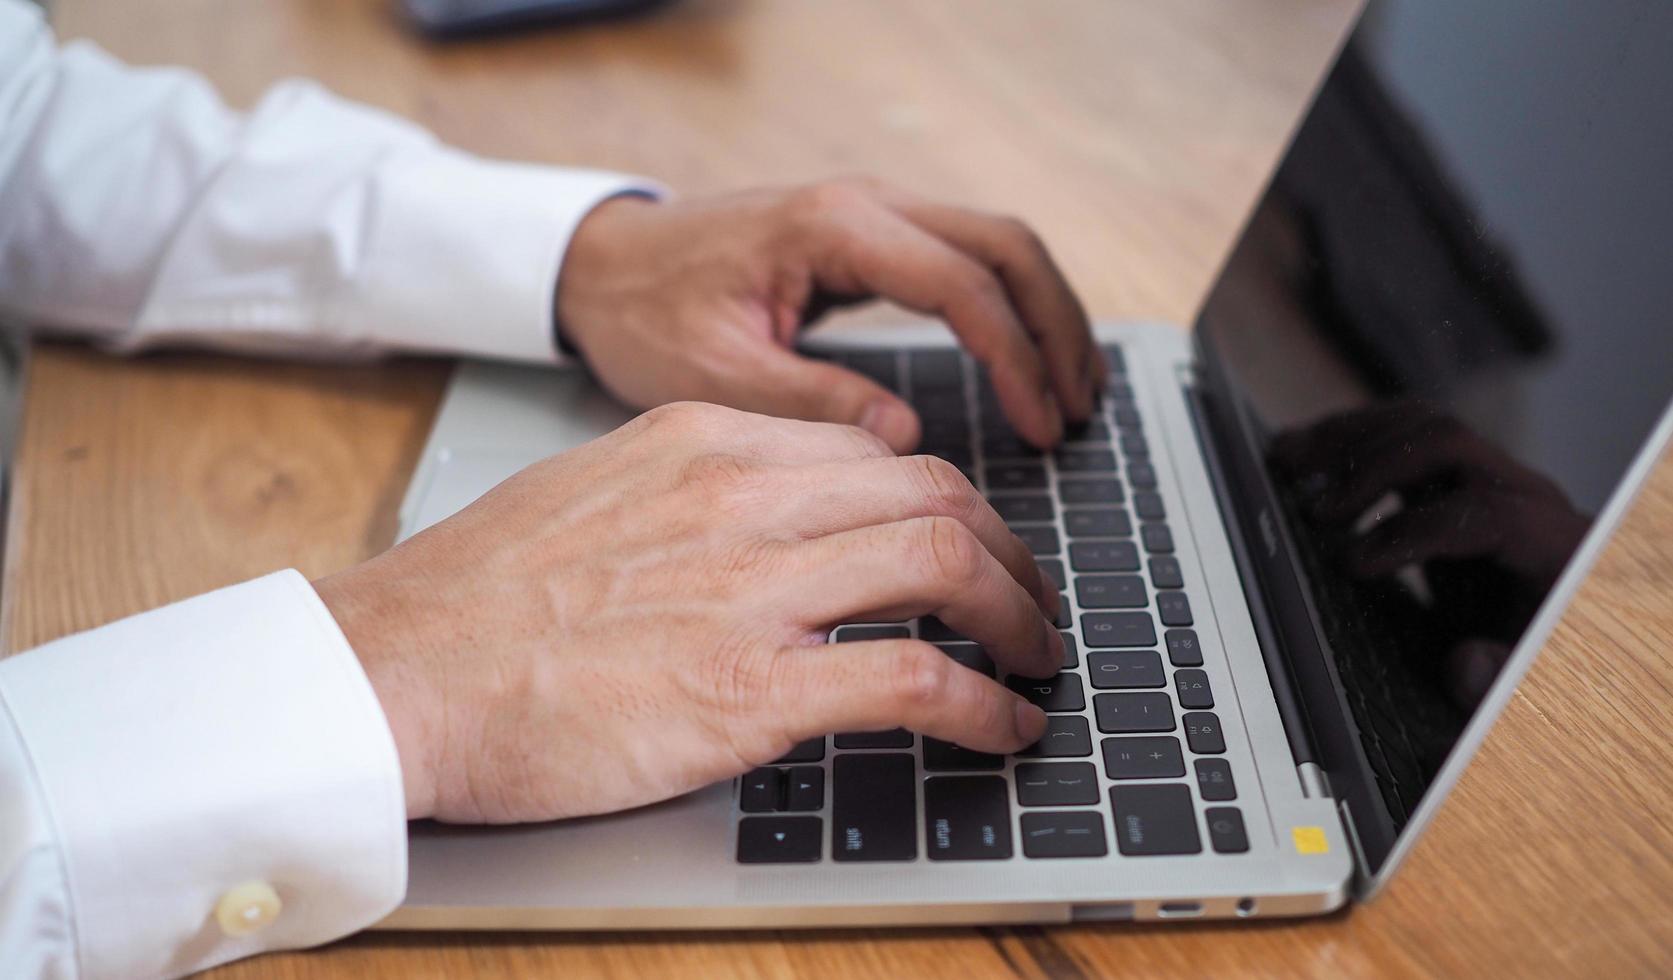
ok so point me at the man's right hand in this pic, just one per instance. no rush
(646, 614)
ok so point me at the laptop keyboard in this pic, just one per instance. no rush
(1132, 760)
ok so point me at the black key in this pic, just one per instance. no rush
(1102, 522)
(1093, 430)
(779, 840)
(1192, 685)
(1066, 735)
(856, 634)
(1071, 653)
(874, 805)
(1085, 460)
(1126, 668)
(1063, 834)
(894, 738)
(1127, 415)
(1103, 556)
(967, 818)
(1165, 574)
(1118, 390)
(1148, 505)
(762, 791)
(942, 756)
(1214, 780)
(1155, 819)
(1113, 358)
(1173, 608)
(1157, 538)
(804, 788)
(935, 631)
(1062, 621)
(1225, 830)
(1133, 444)
(946, 433)
(1041, 539)
(959, 456)
(811, 750)
(1111, 592)
(1121, 629)
(1141, 475)
(1184, 650)
(1052, 570)
(1202, 731)
(879, 366)
(1120, 714)
(1007, 445)
(1152, 757)
(1090, 491)
(970, 655)
(946, 403)
(1016, 476)
(935, 369)
(1024, 508)
(1060, 693)
(1056, 783)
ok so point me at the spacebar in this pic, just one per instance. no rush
(874, 807)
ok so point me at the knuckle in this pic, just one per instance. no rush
(822, 202)
(1021, 235)
(719, 476)
(866, 442)
(688, 418)
(943, 489)
(924, 676)
(949, 552)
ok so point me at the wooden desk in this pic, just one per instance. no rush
(1134, 135)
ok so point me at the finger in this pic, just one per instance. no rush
(921, 567)
(883, 684)
(857, 245)
(1049, 309)
(698, 426)
(782, 382)
(1459, 526)
(834, 497)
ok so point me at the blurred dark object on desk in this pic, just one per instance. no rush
(468, 18)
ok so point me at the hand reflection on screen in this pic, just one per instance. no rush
(1404, 488)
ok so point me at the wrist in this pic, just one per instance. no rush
(596, 248)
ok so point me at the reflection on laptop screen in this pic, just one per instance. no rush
(1447, 327)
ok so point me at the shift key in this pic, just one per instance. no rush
(874, 807)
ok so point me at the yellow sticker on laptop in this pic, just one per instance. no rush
(1310, 840)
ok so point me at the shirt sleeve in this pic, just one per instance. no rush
(192, 785)
(137, 208)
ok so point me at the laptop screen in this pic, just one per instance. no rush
(1443, 337)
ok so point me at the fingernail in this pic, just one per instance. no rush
(892, 422)
(1030, 721)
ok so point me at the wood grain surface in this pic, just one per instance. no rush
(1133, 134)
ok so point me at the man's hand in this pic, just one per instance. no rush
(703, 300)
(647, 613)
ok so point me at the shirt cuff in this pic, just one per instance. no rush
(225, 746)
(465, 252)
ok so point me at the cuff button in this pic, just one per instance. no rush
(247, 908)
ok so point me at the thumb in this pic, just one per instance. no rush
(783, 382)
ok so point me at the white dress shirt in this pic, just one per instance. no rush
(216, 778)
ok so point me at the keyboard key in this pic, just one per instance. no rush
(1072, 460)
(762, 791)
(1148, 505)
(945, 433)
(874, 804)
(1090, 491)
(967, 818)
(1157, 538)
(1093, 430)
(942, 756)
(1024, 508)
(1118, 391)
(1060, 693)
(894, 738)
(1007, 445)
(1071, 652)
(1040, 539)
(1120, 629)
(811, 750)
(1183, 648)
(1141, 475)
(1126, 668)
(1133, 443)
(1113, 358)
(1052, 570)
(1121, 714)
(1062, 621)
(1225, 830)
(1154, 819)
(1111, 592)
(1102, 522)
(1057, 784)
(1066, 735)
(1214, 780)
(1155, 757)
(1127, 415)
(1174, 608)
(857, 634)
(1063, 834)
(779, 840)
(1165, 574)
(969, 655)
(804, 788)
(1202, 731)
(1192, 685)
(959, 456)
(935, 631)
(1016, 476)
(944, 403)
(1103, 556)
(879, 366)
(935, 369)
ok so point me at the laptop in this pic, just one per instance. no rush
(1307, 548)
